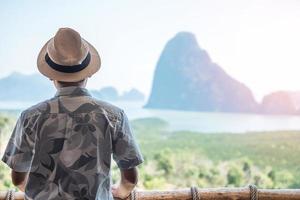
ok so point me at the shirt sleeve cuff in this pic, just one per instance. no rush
(16, 167)
(131, 163)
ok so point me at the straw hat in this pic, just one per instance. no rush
(68, 57)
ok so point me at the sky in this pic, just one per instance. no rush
(255, 41)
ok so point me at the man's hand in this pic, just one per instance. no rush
(128, 181)
(119, 191)
(21, 187)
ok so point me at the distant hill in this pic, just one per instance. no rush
(111, 94)
(280, 102)
(132, 95)
(186, 78)
(106, 93)
(35, 88)
(295, 97)
(21, 87)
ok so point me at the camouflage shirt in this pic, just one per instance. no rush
(66, 144)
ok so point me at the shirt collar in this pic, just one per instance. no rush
(72, 91)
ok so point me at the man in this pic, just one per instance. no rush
(61, 148)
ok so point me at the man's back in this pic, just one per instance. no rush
(66, 144)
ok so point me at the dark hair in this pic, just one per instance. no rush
(65, 84)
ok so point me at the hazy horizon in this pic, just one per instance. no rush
(256, 42)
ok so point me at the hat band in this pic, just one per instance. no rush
(68, 68)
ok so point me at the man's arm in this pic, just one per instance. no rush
(19, 179)
(127, 156)
(129, 179)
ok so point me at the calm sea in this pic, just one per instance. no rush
(195, 121)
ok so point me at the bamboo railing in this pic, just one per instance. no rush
(204, 194)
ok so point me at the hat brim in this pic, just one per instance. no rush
(88, 71)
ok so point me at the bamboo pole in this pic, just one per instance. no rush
(205, 194)
(220, 194)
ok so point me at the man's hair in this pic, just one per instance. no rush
(65, 84)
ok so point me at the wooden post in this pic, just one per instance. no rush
(205, 194)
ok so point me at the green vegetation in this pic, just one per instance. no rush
(176, 159)
(184, 158)
(6, 126)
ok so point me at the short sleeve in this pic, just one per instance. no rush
(126, 152)
(19, 150)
